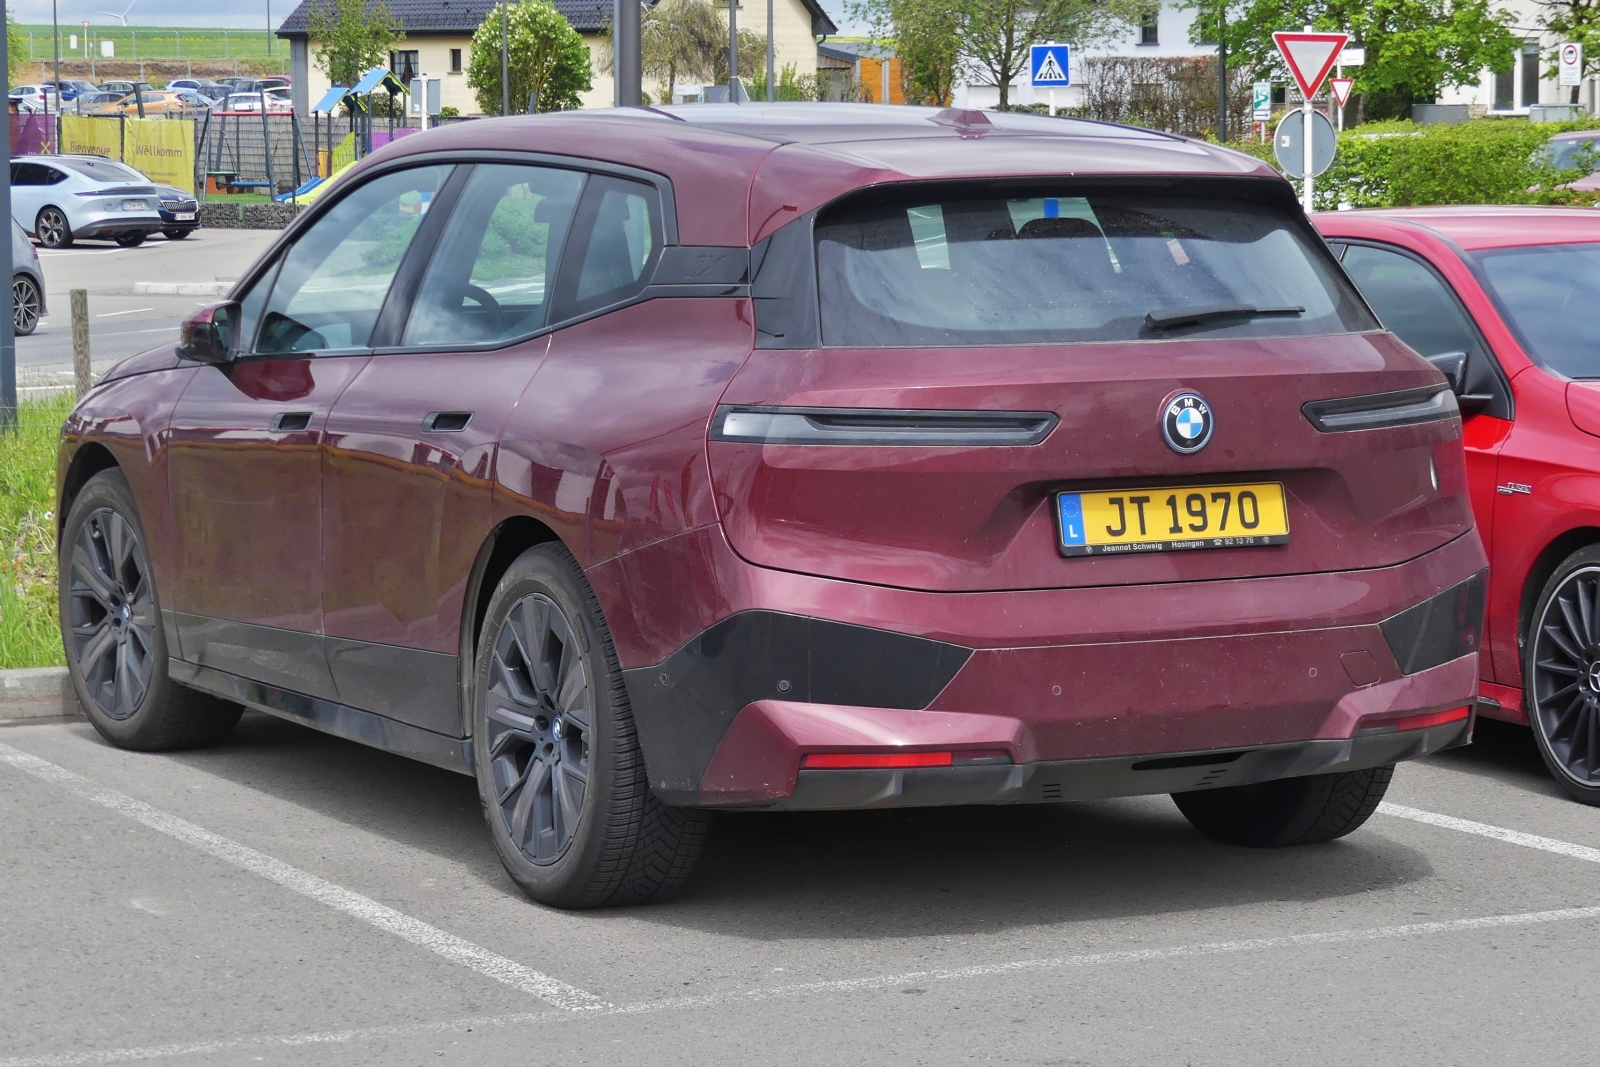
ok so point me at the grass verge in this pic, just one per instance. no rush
(30, 635)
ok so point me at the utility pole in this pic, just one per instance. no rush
(269, 27)
(772, 80)
(55, 33)
(1222, 70)
(505, 62)
(733, 51)
(8, 336)
(627, 58)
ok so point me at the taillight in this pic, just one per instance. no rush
(838, 761)
(1372, 724)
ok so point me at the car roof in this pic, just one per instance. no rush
(810, 154)
(1475, 227)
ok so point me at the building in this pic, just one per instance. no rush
(1526, 82)
(850, 65)
(438, 43)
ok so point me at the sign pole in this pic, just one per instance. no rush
(8, 337)
(1309, 55)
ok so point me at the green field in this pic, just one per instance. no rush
(29, 633)
(156, 42)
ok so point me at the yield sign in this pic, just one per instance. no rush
(1309, 56)
(1341, 89)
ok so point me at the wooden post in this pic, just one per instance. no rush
(80, 341)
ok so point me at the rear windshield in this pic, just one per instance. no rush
(1052, 269)
(103, 169)
(1550, 293)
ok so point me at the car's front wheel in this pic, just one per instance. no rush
(52, 229)
(175, 235)
(560, 772)
(111, 626)
(1287, 811)
(25, 304)
(1561, 669)
(130, 240)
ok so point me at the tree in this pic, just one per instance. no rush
(688, 39)
(1577, 21)
(352, 37)
(1414, 47)
(997, 35)
(925, 35)
(546, 56)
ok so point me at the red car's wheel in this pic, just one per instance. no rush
(1562, 674)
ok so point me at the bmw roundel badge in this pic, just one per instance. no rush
(1186, 423)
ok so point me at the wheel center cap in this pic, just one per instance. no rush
(555, 728)
(1593, 677)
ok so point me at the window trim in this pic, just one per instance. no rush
(1502, 384)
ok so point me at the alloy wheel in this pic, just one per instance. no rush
(51, 228)
(112, 616)
(540, 711)
(1565, 664)
(24, 305)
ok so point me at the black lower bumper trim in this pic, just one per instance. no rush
(1094, 779)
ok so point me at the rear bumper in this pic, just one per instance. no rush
(1261, 678)
(115, 224)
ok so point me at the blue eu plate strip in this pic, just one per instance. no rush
(1071, 508)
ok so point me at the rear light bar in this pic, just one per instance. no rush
(839, 761)
(1380, 410)
(880, 426)
(1415, 722)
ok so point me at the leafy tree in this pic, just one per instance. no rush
(925, 35)
(545, 56)
(687, 40)
(1414, 47)
(1577, 21)
(352, 37)
(997, 35)
(14, 48)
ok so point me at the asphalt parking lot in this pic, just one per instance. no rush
(123, 321)
(294, 898)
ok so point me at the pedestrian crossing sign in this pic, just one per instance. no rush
(1050, 65)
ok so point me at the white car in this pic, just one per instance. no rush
(278, 102)
(35, 99)
(60, 199)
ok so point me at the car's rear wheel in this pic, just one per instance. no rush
(560, 773)
(175, 235)
(130, 240)
(52, 229)
(1288, 811)
(25, 303)
(1561, 669)
(111, 626)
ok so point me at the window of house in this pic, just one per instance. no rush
(1505, 82)
(403, 65)
(1530, 73)
(455, 61)
(1147, 30)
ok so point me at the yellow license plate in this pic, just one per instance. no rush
(1172, 518)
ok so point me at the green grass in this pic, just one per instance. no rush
(30, 635)
(155, 42)
(236, 198)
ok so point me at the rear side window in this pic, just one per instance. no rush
(1412, 301)
(615, 241)
(987, 270)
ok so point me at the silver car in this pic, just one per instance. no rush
(27, 283)
(60, 199)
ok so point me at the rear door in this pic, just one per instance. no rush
(245, 472)
(408, 476)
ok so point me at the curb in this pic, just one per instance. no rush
(34, 694)
(182, 288)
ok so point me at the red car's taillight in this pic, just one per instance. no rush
(1415, 722)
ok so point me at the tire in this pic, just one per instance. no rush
(130, 240)
(175, 235)
(25, 303)
(1561, 673)
(52, 228)
(1287, 811)
(560, 773)
(111, 627)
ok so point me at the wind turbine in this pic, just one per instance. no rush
(122, 18)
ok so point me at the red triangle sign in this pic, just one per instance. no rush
(1341, 89)
(1310, 56)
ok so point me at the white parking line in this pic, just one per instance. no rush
(1498, 833)
(451, 947)
(790, 992)
(130, 311)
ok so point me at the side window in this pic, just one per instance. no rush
(50, 176)
(331, 283)
(24, 174)
(492, 271)
(616, 239)
(1412, 301)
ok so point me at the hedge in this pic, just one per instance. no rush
(1485, 161)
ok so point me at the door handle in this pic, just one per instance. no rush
(291, 421)
(446, 421)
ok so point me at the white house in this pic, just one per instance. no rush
(1525, 83)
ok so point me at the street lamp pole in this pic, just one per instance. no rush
(772, 84)
(733, 51)
(8, 337)
(269, 27)
(505, 61)
(55, 34)
(627, 58)
(1222, 70)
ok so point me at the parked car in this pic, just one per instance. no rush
(27, 283)
(640, 486)
(36, 99)
(180, 212)
(1503, 300)
(60, 199)
(125, 87)
(1577, 150)
(277, 101)
(199, 86)
(157, 103)
(72, 88)
(93, 103)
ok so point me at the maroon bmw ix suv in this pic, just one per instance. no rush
(646, 462)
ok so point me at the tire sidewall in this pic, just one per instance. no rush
(553, 574)
(109, 489)
(23, 279)
(66, 227)
(1583, 559)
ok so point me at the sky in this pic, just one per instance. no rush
(251, 14)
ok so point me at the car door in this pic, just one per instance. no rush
(27, 193)
(245, 469)
(1415, 302)
(408, 474)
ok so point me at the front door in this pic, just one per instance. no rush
(247, 437)
(408, 476)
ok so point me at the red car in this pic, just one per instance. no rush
(1503, 300)
(651, 462)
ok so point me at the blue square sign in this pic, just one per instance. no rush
(1050, 65)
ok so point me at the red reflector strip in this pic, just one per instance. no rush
(1419, 722)
(855, 760)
